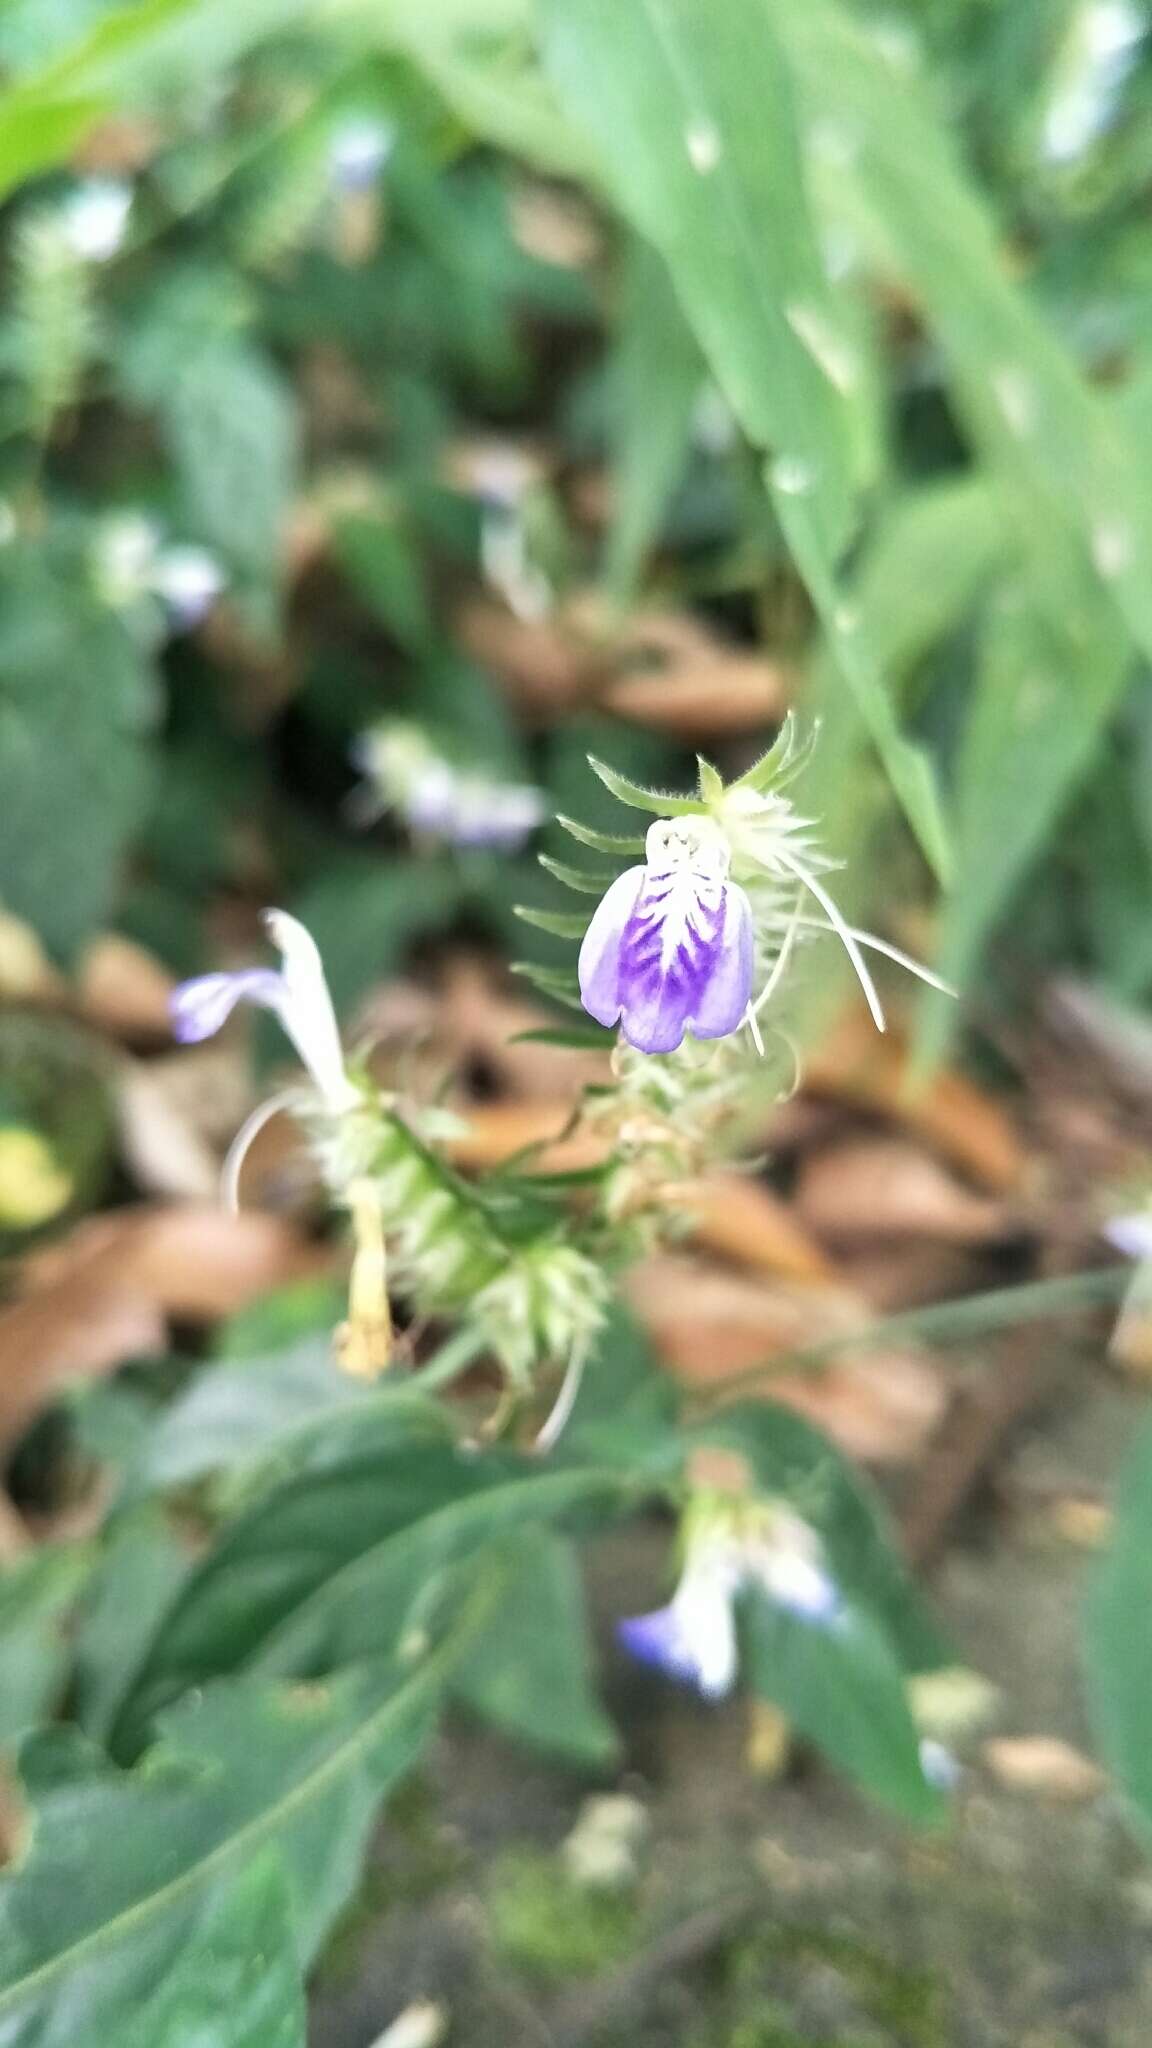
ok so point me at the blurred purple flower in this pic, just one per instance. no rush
(694, 1637)
(436, 798)
(670, 948)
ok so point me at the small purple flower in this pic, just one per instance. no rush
(694, 1637)
(776, 1554)
(296, 992)
(670, 948)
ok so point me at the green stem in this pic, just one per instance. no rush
(972, 1316)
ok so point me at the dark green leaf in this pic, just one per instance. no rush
(561, 923)
(75, 701)
(37, 1594)
(350, 1558)
(1118, 1636)
(529, 1673)
(840, 1685)
(126, 1876)
(658, 376)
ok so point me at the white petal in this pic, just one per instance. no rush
(306, 1008)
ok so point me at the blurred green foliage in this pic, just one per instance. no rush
(892, 256)
(850, 303)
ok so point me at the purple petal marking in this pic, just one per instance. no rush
(599, 966)
(693, 1638)
(729, 986)
(659, 1639)
(685, 959)
(198, 1008)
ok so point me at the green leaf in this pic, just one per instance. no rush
(594, 1039)
(657, 376)
(1118, 1636)
(908, 766)
(231, 426)
(1051, 670)
(75, 701)
(789, 1457)
(236, 1982)
(600, 842)
(37, 1594)
(582, 880)
(126, 1875)
(840, 1685)
(479, 58)
(626, 1408)
(364, 915)
(692, 112)
(694, 116)
(269, 1410)
(1061, 450)
(562, 924)
(380, 559)
(137, 1573)
(654, 800)
(530, 1671)
(43, 117)
(558, 983)
(347, 1560)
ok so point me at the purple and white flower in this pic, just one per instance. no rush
(434, 797)
(296, 992)
(671, 947)
(694, 1638)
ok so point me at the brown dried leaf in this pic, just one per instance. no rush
(888, 1187)
(26, 973)
(164, 1150)
(664, 670)
(1044, 1766)
(745, 1221)
(871, 1071)
(118, 146)
(545, 672)
(710, 1326)
(494, 1132)
(123, 989)
(673, 675)
(104, 1293)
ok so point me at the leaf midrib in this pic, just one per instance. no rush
(596, 1477)
(268, 1821)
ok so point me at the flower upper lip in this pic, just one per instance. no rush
(298, 995)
